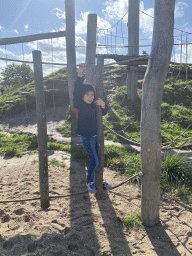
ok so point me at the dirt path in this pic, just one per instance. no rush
(79, 225)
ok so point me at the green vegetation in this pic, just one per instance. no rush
(176, 108)
(134, 220)
(14, 76)
(54, 161)
(16, 144)
(57, 80)
(176, 172)
(122, 160)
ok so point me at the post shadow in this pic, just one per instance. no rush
(80, 210)
(159, 239)
(114, 228)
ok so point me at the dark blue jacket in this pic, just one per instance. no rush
(86, 114)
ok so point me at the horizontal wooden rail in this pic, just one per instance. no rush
(30, 38)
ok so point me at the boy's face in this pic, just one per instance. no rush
(88, 97)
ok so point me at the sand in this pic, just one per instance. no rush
(79, 225)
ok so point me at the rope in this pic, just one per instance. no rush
(133, 142)
(69, 195)
(44, 63)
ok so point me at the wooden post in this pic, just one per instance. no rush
(132, 80)
(70, 46)
(133, 28)
(91, 47)
(100, 136)
(42, 129)
(133, 48)
(152, 92)
(93, 76)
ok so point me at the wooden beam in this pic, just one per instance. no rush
(30, 38)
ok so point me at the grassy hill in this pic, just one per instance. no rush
(176, 117)
(18, 102)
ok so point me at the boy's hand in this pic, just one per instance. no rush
(81, 69)
(100, 102)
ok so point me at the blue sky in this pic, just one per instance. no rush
(26, 17)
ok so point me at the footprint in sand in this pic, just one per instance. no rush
(19, 211)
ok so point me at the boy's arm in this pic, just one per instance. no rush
(78, 86)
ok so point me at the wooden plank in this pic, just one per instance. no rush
(30, 38)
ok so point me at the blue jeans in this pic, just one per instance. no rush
(90, 146)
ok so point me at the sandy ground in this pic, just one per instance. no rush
(79, 225)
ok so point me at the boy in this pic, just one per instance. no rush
(86, 115)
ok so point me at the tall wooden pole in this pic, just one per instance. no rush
(152, 93)
(70, 46)
(100, 136)
(133, 48)
(93, 76)
(91, 47)
(42, 129)
(133, 28)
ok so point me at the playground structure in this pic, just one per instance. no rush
(132, 61)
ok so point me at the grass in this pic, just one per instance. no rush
(122, 160)
(55, 162)
(16, 144)
(176, 173)
(134, 220)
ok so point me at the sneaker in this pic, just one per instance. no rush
(106, 185)
(91, 187)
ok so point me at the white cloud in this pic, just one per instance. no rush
(16, 31)
(176, 53)
(56, 45)
(1, 28)
(80, 47)
(102, 24)
(59, 13)
(115, 10)
(180, 9)
(81, 25)
(146, 20)
(26, 27)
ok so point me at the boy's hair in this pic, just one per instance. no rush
(87, 87)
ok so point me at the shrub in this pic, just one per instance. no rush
(175, 170)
